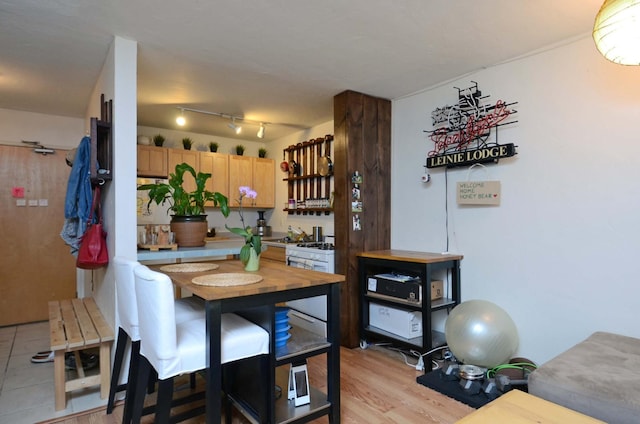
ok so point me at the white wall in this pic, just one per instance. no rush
(173, 139)
(51, 131)
(118, 82)
(279, 219)
(559, 253)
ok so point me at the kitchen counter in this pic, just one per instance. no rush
(216, 249)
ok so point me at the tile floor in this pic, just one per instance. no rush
(26, 389)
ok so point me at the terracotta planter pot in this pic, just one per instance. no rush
(190, 231)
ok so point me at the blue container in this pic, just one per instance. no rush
(281, 340)
(282, 326)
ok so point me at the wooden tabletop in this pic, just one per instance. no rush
(518, 407)
(410, 256)
(275, 277)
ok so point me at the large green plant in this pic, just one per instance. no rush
(182, 202)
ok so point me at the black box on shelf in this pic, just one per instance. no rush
(396, 286)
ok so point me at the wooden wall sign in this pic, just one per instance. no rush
(478, 193)
(467, 133)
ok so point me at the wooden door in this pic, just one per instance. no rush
(36, 266)
(216, 164)
(178, 156)
(264, 182)
(152, 161)
(240, 174)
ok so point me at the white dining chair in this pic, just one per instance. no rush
(185, 309)
(174, 348)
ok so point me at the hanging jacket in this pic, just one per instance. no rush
(77, 205)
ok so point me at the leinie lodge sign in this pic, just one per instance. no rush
(467, 133)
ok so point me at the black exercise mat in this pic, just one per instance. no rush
(436, 381)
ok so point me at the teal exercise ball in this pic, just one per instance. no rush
(479, 332)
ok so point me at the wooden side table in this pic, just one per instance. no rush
(518, 407)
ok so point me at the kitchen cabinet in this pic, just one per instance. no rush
(264, 183)
(152, 161)
(425, 267)
(177, 156)
(257, 173)
(216, 164)
(274, 253)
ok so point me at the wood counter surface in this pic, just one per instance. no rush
(276, 277)
(410, 256)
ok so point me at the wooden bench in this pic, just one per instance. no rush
(74, 325)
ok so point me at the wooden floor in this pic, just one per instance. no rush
(376, 387)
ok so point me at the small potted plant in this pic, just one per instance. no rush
(186, 143)
(262, 152)
(187, 206)
(250, 252)
(239, 149)
(158, 140)
(213, 146)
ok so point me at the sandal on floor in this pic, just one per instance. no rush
(40, 357)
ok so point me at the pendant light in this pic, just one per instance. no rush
(616, 31)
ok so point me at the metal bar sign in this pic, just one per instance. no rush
(478, 193)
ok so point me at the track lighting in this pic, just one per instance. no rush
(237, 128)
(233, 126)
(180, 119)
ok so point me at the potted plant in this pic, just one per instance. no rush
(239, 149)
(188, 221)
(250, 252)
(262, 152)
(213, 146)
(158, 140)
(186, 143)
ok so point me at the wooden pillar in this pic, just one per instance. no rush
(362, 142)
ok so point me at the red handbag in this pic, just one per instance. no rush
(93, 246)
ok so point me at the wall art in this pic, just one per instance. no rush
(467, 133)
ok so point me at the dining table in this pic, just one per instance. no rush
(255, 295)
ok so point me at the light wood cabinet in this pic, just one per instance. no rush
(216, 164)
(274, 253)
(257, 173)
(152, 161)
(240, 174)
(264, 183)
(228, 172)
(192, 157)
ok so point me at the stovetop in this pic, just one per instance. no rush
(314, 251)
(317, 245)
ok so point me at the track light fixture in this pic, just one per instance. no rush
(237, 128)
(180, 119)
(234, 126)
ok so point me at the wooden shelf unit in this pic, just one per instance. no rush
(308, 183)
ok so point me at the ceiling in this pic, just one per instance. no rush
(275, 61)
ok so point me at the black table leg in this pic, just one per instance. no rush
(214, 368)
